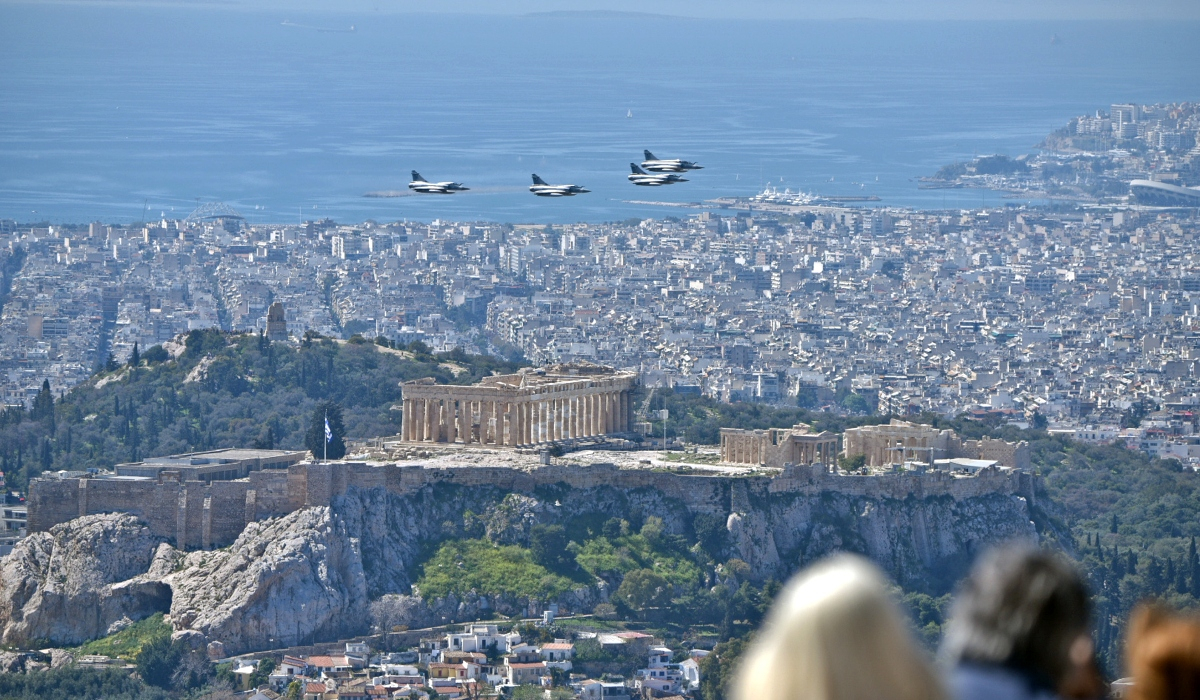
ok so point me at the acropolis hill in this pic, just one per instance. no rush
(346, 533)
(231, 542)
(205, 500)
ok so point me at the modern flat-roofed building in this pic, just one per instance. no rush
(213, 465)
(1162, 194)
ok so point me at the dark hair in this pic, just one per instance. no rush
(1022, 608)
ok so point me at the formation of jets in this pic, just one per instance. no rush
(660, 172)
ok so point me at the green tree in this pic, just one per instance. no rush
(548, 544)
(641, 588)
(136, 357)
(807, 397)
(718, 668)
(43, 403)
(857, 403)
(157, 660)
(262, 673)
(652, 530)
(851, 464)
(315, 440)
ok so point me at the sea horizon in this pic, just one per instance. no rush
(289, 115)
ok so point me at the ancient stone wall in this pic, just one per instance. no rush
(195, 515)
(1009, 454)
(52, 502)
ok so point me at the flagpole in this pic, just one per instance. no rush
(325, 457)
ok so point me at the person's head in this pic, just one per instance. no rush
(834, 633)
(1022, 608)
(1163, 655)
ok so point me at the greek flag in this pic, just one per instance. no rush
(328, 431)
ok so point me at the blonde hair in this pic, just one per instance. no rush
(834, 633)
(1163, 652)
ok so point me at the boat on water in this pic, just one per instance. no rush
(773, 196)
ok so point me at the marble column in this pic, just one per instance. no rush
(555, 421)
(426, 419)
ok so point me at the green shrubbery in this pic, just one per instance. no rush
(77, 684)
(128, 643)
(462, 566)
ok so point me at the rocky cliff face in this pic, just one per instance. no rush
(71, 584)
(283, 582)
(310, 576)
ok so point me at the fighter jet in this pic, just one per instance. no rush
(674, 165)
(542, 189)
(419, 184)
(645, 179)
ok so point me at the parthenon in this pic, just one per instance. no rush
(531, 407)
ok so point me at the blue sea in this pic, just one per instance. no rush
(109, 112)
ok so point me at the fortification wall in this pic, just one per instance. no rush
(52, 502)
(195, 515)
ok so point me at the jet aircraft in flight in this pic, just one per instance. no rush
(645, 179)
(419, 184)
(543, 189)
(672, 165)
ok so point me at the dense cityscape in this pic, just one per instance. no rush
(1086, 318)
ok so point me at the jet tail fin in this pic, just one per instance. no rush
(537, 180)
(416, 177)
(636, 170)
(649, 155)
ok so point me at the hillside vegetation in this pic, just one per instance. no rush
(223, 390)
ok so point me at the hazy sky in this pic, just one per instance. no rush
(791, 9)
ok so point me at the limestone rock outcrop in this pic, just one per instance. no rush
(286, 581)
(71, 584)
(310, 576)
